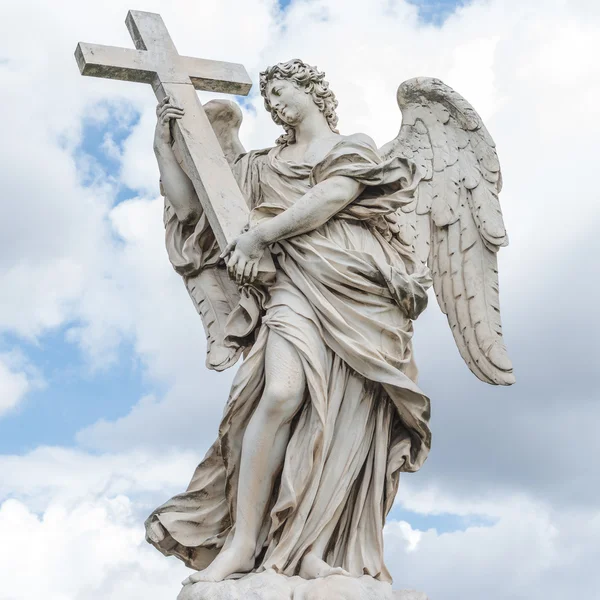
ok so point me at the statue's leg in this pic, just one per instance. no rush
(267, 436)
(263, 451)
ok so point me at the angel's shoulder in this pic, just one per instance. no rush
(360, 139)
(252, 156)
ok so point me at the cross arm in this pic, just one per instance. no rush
(110, 62)
(217, 76)
(157, 62)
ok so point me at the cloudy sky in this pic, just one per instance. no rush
(101, 351)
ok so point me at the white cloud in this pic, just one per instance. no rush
(73, 521)
(92, 551)
(13, 387)
(17, 378)
(530, 551)
(72, 526)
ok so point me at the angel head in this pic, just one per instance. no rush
(291, 90)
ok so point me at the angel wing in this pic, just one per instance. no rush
(454, 224)
(212, 291)
(225, 116)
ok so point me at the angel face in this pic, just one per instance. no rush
(290, 102)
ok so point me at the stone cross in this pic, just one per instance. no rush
(157, 62)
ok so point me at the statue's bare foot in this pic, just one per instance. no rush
(313, 567)
(230, 561)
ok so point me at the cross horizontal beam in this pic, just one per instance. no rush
(138, 66)
(111, 62)
(157, 62)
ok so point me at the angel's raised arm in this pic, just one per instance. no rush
(190, 242)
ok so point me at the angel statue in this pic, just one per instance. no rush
(324, 412)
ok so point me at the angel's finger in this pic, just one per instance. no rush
(232, 259)
(231, 269)
(239, 271)
(169, 110)
(228, 249)
(231, 264)
(167, 104)
(168, 116)
(254, 273)
(171, 107)
(162, 103)
(247, 271)
(160, 109)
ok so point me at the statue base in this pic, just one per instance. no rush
(272, 586)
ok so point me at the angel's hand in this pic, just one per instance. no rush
(244, 254)
(166, 111)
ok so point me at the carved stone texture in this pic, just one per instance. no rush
(272, 586)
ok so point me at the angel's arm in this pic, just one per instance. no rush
(177, 185)
(311, 211)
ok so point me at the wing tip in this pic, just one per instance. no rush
(502, 373)
(505, 379)
(496, 378)
(225, 110)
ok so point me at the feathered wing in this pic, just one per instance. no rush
(213, 293)
(454, 223)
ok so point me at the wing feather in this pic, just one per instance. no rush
(422, 244)
(213, 295)
(460, 319)
(456, 224)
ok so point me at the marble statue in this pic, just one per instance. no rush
(317, 290)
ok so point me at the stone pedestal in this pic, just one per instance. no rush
(271, 586)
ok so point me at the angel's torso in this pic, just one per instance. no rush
(281, 179)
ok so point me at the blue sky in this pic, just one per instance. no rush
(74, 394)
(101, 352)
(430, 11)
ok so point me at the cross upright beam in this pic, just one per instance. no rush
(157, 62)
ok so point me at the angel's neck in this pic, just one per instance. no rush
(312, 127)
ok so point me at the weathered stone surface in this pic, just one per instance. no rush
(272, 586)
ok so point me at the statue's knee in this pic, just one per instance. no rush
(279, 404)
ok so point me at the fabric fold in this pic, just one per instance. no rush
(344, 298)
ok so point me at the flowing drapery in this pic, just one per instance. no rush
(345, 299)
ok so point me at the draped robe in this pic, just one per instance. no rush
(345, 298)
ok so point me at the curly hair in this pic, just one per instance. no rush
(307, 78)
